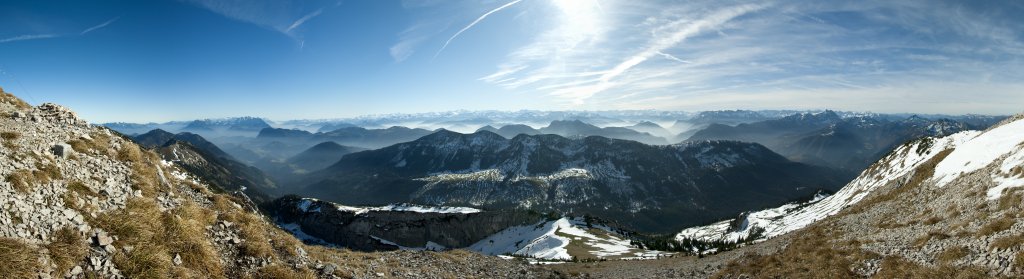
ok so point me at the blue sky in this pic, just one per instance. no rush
(172, 60)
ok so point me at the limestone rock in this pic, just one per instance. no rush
(61, 150)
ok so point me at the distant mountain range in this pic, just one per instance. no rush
(577, 128)
(232, 126)
(828, 139)
(653, 188)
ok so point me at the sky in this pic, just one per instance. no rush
(161, 60)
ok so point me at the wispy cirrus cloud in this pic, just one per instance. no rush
(99, 26)
(303, 19)
(54, 35)
(285, 17)
(471, 24)
(675, 53)
(28, 37)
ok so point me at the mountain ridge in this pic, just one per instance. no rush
(433, 169)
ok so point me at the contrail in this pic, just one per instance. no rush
(101, 25)
(474, 23)
(28, 37)
(302, 20)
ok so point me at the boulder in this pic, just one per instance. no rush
(61, 150)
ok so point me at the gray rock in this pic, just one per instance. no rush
(177, 259)
(102, 239)
(61, 150)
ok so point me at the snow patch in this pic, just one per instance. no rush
(430, 246)
(548, 241)
(980, 151)
(308, 205)
(484, 175)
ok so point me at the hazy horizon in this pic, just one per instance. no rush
(424, 114)
(157, 61)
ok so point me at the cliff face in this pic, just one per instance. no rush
(388, 228)
(82, 201)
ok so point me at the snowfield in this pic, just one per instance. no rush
(430, 246)
(983, 149)
(309, 205)
(550, 241)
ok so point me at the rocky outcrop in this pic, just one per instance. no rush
(372, 230)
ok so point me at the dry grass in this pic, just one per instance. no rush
(46, 172)
(256, 244)
(1010, 200)
(158, 236)
(892, 267)
(11, 99)
(932, 220)
(280, 272)
(144, 169)
(10, 136)
(1008, 241)
(137, 223)
(998, 225)
(952, 254)
(21, 180)
(250, 227)
(98, 144)
(922, 240)
(809, 256)
(130, 153)
(185, 235)
(146, 260)
(1019, 259)
(20, 259)
(284, 242)
(79, 188)
(67, 248)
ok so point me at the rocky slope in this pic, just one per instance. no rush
(650, 188)
(946, 207)
(204, 159)
(82, 201)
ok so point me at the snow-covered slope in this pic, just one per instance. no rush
(311, 205)
(790, 217)
(1003, 144)
(562, 239)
